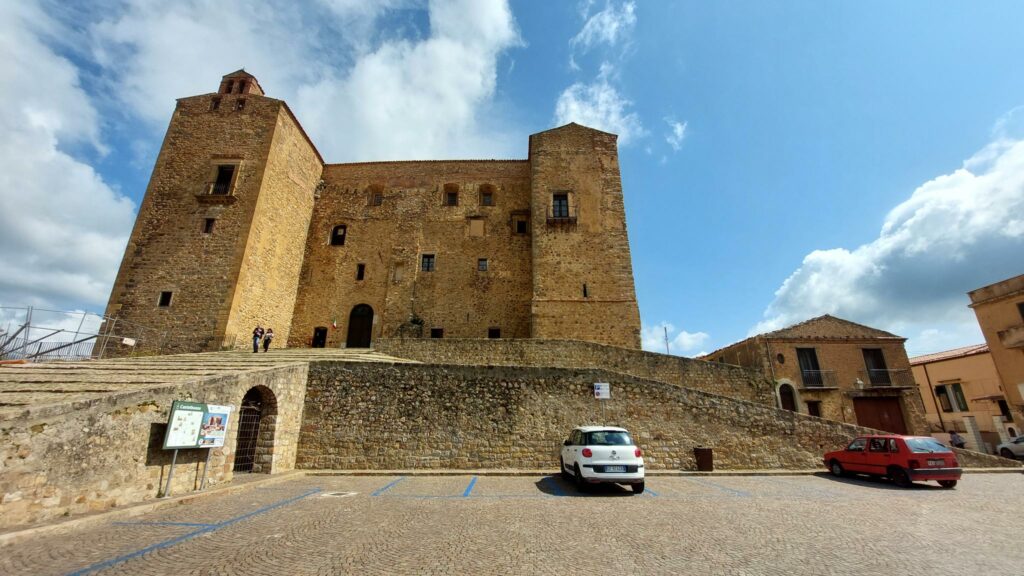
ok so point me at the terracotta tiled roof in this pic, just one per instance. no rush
(948, 354)
(828, 327)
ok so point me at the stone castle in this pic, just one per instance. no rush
(243, 223)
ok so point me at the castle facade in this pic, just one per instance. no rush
(243, 223)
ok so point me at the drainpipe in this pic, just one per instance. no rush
(931, 392)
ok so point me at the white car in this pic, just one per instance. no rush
(602, 454)
(1012, 449)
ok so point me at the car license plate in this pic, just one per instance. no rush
(614, 468)
(936, 463)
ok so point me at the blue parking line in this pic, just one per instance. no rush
(194, 524)
(469, 489)
(384, 489)
(726, 489)
(651, 492)
(205, 530)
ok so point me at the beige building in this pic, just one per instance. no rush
(961, 391)
(243, 223)
(836, 369)
(1000, 311)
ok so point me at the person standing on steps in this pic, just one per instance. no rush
(257, 335)
(267, 338)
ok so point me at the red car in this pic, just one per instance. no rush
(903, 459)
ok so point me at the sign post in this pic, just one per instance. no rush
(194, 425)
(602, 391)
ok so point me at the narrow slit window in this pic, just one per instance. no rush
(208, 225)
(360, 271)
(165, 299)
(586, 293)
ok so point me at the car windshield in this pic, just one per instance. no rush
(920, 445)
(608, 438)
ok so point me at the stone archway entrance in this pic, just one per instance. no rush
(787, 397)
(360, 327)
(256, 422)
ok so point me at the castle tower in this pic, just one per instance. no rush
(219, 240)
(582, 271)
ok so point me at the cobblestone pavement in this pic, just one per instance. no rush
(542, 525)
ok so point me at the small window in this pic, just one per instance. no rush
(780, 358)
(487, 195)
(165, 299)
(360, 271)
(215, 103)
(451, 195)
(338, 235)
(230, 87)
(814, 408)
(427, 263)
(586, 293)
(222, 185)
(241, 87)
(943, 396)
(494, 333)
(1020, 309)
(375, 195)
(208, 225)
(240, 104)
(481, 264)
(560, 205)
(437, 332)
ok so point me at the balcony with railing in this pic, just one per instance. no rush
(562, 214)
(819, 378)
(886, 378)
(216, 193)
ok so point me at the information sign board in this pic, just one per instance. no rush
(602, 390)
(196, 425)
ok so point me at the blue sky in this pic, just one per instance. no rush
(780, 160)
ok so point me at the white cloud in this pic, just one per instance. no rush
(957, 232)
(652, 339)
(613, 24)
(599, 105)
(361, 99)
(676, 133)
(62, 228)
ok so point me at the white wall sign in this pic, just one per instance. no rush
(602, 390)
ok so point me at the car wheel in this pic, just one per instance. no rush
(581, 484)
(947, 483)
(836, 468)
(1005, 453)
(562, 470)
(899, 477)
(638, 488)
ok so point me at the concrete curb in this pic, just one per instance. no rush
(131, 511)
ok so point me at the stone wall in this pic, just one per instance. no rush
(390, 238)
(76, 457)
(723, 379)
(379, 416)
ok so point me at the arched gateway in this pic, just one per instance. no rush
(256, 422)
(360, 327)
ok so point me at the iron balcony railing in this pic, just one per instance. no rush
(215, 189)
(562, 214)
(819, 378)
(878, 377)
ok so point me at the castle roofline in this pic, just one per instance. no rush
(572, 125)
(466, 161)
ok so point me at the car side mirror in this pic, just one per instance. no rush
(566, 443)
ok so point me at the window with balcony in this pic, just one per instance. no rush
(810, 371)
(560, 206)
(222, 184)
(878, 373)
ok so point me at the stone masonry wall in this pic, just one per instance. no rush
(723, 379)
(86, 456)
(379, 416)
(412, 219)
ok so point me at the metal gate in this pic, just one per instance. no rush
(248, 435)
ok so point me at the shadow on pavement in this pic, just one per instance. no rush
(555, 485)
(876, 482)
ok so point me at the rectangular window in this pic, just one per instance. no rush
(360, 271)
(437, 332)
(427, 263)
(1004, 409)
(521, 226)
(494, 333)
(338, 235)
(874, 361)
(222, 185)
(208, 225)
(560, 205)
(1020, 308)
(943, 396)
(481, 264)
(813, 407)
(957, 393)
(810, 372)
(165, 299)
(451, 198)
(486, 199)
(376, 198)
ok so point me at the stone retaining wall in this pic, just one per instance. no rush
(716, 378)
(90, 455)
(378, 416)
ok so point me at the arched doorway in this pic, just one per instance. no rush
(256, 419)
(360, 326)
(787, 397)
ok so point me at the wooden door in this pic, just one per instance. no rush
(881, 414)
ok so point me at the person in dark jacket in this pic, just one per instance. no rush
(267, 338)
(257, 335)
